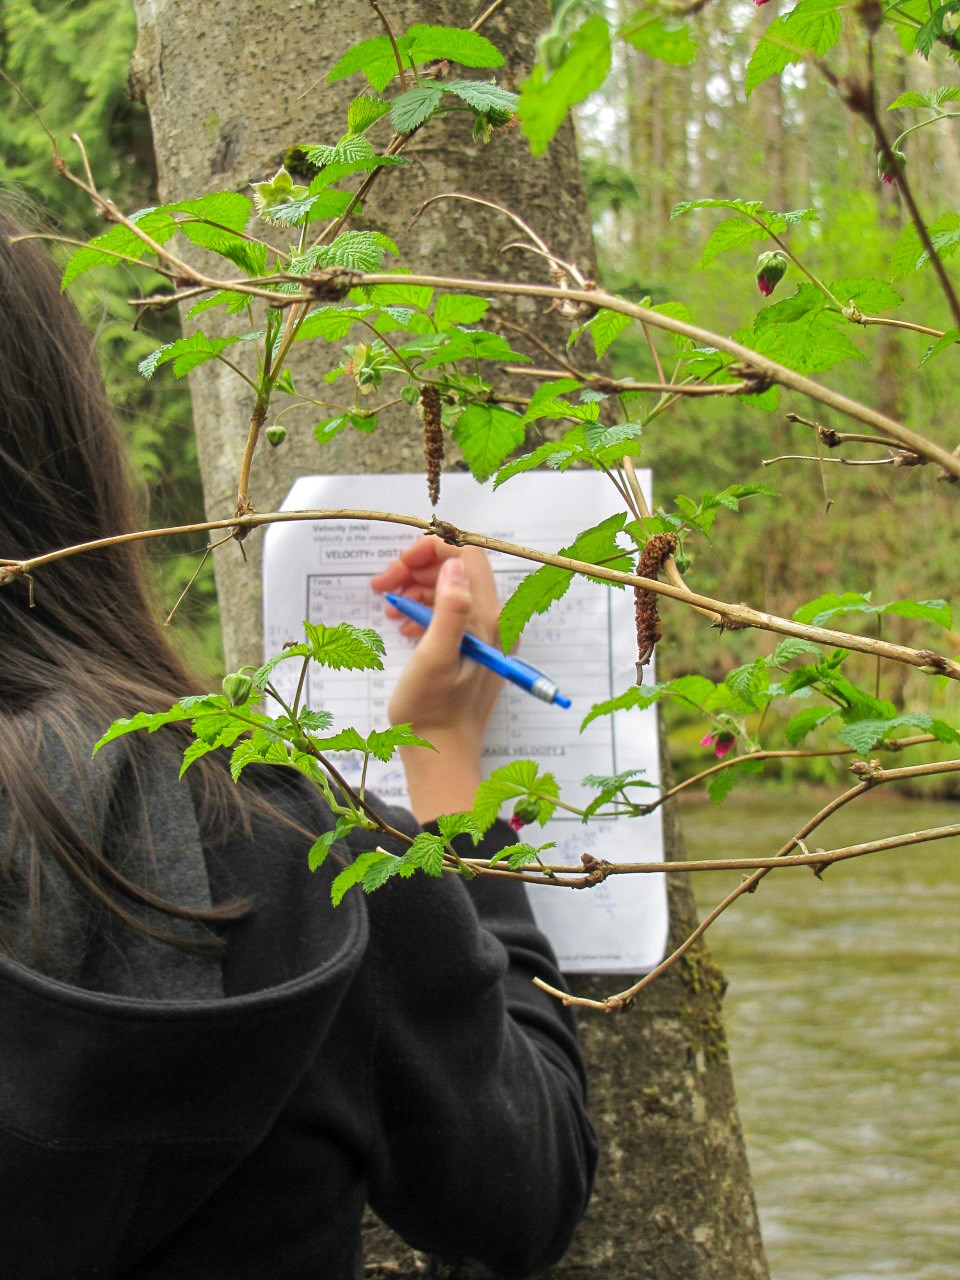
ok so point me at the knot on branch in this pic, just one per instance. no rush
(907, 458)
(330, 285)
(866, 770)
(10, 572)
(756, 381)
(447, 532)
(827, 436)
(649, 564)
(935, 663)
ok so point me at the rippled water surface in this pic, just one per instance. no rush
(842, 1016)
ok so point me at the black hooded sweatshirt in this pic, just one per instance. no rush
(168, 1117)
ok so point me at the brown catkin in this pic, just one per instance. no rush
(432, 439)
(649, 564)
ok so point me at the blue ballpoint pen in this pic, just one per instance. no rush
(512, 669)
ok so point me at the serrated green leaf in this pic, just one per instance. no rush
(793, 647)
(611, 788)
(672, 43)
(153, 720)
(487, 433)
(382, 743)
(813, 344)
(120, 244)
(937, 611)
(544, 103)
(719, 785)
(604, 327)
(811, 27)
(949, 339)
(934, 98)
(749, 683)
(633, 698)
(254, 751)
(748, 207)
(910, 255)
(365, 111)
(460, 824)
(345, 647)
(867, 295)
(185, 354)
(732, 233)
(458, 308)
(804, 301)
(474, 344)
(415, 107)
(426, 854)
(531, 461)
(864, 735)
(537, 591)
(483, 97)
(356, 873)
(355, 250)
(806, 721)
(325, 842)
(368, 56)
(452, 44)
(598, 436)
(520, 779)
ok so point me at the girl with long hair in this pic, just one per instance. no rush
(205, 1069)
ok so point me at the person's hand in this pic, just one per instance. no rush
(446, 698)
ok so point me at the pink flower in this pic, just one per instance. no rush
(758, 3)
(721, 743)
(771, 268)
(515, 822)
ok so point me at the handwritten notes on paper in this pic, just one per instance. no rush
(320, 571)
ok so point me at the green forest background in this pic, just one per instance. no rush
(655, 135)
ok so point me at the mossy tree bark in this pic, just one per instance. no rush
(228, 86)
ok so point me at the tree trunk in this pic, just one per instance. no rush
(227, 87)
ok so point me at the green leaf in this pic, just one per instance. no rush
(345, 647)
(942, 344)
(356, 250)
(933, 28)
(121, 244)
(937, 611)
(649, 34)
(520, 779)
(483, 97)
(537, 591)
(415, 107)
(356, 873)
(365, 111)
(604, 327)
(369, 56)
(426, 854)
(611, 788)
(452, 44)
(487, 433)
(633, 698)
(459, 824)
(719, 785)
(325, 842)
(811, 27)
(910, 255)
(732, 233)
(458, 308)
(793, 647)
(749, 684)
(544, 103)
(813, 344)
(934, 98)
(864, 735)
(382, 743)
(474, 344)
(185, 353)
(806, 721)
(258, 749)
(867, 295)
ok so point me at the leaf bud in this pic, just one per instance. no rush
(771, 268)
(237, 687)
(276, 434)
(890, 165)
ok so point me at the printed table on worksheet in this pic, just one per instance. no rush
(320, 571)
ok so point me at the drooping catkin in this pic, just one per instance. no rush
(432, 439)
(649, 564)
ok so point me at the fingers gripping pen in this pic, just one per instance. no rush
(512, 669)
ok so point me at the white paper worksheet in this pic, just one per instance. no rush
(320, 571)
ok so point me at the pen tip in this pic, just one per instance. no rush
(561, 701)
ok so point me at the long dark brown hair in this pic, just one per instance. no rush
(81, 644)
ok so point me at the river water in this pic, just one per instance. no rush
(842, 1017)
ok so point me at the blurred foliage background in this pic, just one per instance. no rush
(654, 135)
